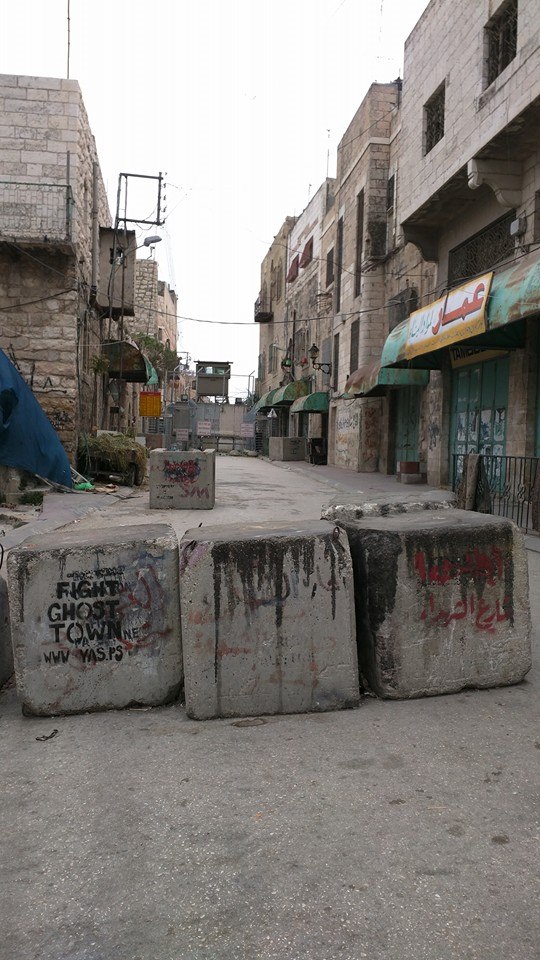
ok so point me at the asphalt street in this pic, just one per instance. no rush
(404, 830)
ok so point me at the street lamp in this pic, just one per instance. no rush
(313, 354)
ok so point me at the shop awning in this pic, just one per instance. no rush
(289, 393)
(485, 313)
(373, 379)
(265, 403)
(313, 403)
(126, 362)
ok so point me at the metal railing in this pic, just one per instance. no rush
(36, 211)
(505, 487)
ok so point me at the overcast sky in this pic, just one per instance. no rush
(238, 101)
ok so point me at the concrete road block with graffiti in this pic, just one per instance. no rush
(442, 602)
(95, 619)
(182, 479)
(267, 620)
(6, 651)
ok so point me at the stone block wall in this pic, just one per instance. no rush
(49, 329)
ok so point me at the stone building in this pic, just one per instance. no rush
(295, 327)
(470, 202)
(431, 253)
(52, 206)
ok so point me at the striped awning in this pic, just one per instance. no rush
(289, 393)
(373, 379)
(265, 403)
(313, 403)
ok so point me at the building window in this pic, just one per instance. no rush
(355, 337)
(335, 362)
(434, 119)
(307, 253)
(272, 357)
(279, 280)
(359, 244)
(339, 261)
(390, 213)
(261, 367)
(482, 252)
(501, 37)
(401, 306)
(330, 267)
(293, 269)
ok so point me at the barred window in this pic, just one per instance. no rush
(335, 362)
(501, 36)
(481, 252)
(330, 267)
(434, 119)
(355, 338)
(359, 244)
(339, 263)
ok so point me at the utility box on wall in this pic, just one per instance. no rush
(116, 286)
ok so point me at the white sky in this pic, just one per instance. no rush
(233, 99)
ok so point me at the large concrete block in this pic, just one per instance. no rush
(95, 619)
(442, 602)
(6, 650)
(182, 479)
(267, 620)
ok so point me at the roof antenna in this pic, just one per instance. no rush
(68, 37)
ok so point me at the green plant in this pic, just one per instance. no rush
(34, 499)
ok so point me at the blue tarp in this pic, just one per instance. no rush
(27, 439)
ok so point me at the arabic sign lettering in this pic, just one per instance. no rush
(460, 314)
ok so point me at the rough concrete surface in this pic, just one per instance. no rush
(182, 479)
(268, 621)
(95, 619)
(6, 648)
(405, 830)
(442, 602)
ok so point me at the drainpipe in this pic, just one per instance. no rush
(95, 233)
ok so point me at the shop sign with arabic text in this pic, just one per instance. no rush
(458, 315)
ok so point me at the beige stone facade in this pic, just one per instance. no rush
(52, 204)
(472, 206)
(438, 183)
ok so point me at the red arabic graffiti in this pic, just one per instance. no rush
(467, 307)
(475, 564)
(482, 613)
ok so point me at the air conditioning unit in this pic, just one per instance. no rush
(518, 227)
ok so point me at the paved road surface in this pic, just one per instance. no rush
(399, 831)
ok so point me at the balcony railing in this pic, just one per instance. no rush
(506, 487)
(263, 311)
(36, 211)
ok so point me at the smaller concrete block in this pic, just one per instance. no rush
(338, 512)
(267, 620)
(6, 650)
(182, 479)
(412, 478)
(95, 619)
(287, 448)
(442, 602)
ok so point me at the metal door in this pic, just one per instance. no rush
(407, 422)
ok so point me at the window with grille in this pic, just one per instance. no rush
(359, 244)
(335, 362)
(262, 366)
(481, 252)
(434, 119)
(501, 37)
(339, 261)
(355, 337)
(279, 280)
(272, 357)
(401, 306)
(330, 267)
